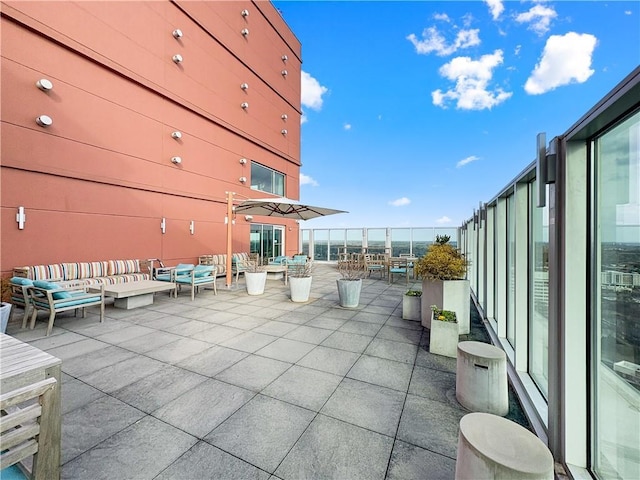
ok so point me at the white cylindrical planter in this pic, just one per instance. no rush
(349, 292)
(300, 288)
(453, 295)
(492, 447)
(255, 282)
(411, 307)
(481, 378)
(5, 313)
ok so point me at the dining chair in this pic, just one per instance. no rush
(398, 266)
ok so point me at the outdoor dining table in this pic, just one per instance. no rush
(22, 365)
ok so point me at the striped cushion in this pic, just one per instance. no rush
(45, 272)
(122, 267)
(76, 271)
(131, 277)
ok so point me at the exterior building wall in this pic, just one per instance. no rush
(97, 182)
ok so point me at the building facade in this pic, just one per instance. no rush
(124, 125)
(554, 268)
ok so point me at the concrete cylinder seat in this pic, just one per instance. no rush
(492, 447)
(481, 378)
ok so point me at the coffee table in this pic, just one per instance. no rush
(130, 295)
(275, 272)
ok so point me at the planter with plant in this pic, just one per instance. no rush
(443, 337)
(442, 269)
(350, 283)
(5, 306)
(255, 277)
(300, 281)
(411, 305)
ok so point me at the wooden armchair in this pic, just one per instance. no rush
(199, 276)
(54, 298)
(398, 266)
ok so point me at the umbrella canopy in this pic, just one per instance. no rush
(283, 207)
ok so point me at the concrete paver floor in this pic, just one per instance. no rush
(238, 386)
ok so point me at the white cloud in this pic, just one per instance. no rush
(538, 17)
(307, 180)
(628, 12)
(443, 17)
(311, 91)
(466, 161)
(495, 7)
(434, 41)
(303, 118)
(443, 219)
(472, 79)
(379, 117)
(566, 59)
(400, 202)
(347, 126)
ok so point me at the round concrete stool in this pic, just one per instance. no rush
(481, 378)
(492, 447)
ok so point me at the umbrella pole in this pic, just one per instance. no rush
(229, 237)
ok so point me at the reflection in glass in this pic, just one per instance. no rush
(320, 245)
(538, 290)
(305, 241)
(336, 244)
(376, 240)
(266, 179)
(354, 240)
(617, 292)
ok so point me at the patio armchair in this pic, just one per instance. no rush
(170, 274)
(296, 262)
(54, 298)
(374, 264)
(199, 276)
(280, 260)
(20, 296)
(398, 266)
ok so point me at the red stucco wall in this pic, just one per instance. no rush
(97, 182)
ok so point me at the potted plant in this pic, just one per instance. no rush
(443, 339)
(5, 306)
(300, 281)
(411, 305)
(442, 269)
(255, 277)
(350, 283)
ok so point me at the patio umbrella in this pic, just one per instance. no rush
(283, 207)
(272, 207)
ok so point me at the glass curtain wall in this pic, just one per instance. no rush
(376, 240)
(400, 241)
(354, 241)
(336, 244)
(320, 245)
(511, 269)
(538, 290)
(616, 285)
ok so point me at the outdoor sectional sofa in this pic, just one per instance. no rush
(106, 272)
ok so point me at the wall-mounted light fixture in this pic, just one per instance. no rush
(284, 58)
(192, 227)
(177, 58)
(244, 105)
(21, 218)
(244, 86)
(284, 73)
(44, 121)
(177, 33)
(244, 13)
(176, 160)
(284, 116)
(248, 218)
(283, 131)
(243, 161)
(177, 135)
(163, 225)
(44, 84)
(245, 31)
(243, 179)
(546, 159)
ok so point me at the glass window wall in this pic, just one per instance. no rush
(266, 179)
(617, 292)
(511, 269)
(400, 241)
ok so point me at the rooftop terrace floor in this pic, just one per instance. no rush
(237, 386)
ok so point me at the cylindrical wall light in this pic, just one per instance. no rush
(283, 131)
(245, 32)
(176, 160)
(177, 33)
(284, 116)
(44, 84)
(243, 161)
(244, 105)
(242, 179)
(177, 58)
(284, 73)
(244, 13)
(44, 121)
(177, 135)
(192, 227)
(284, 58)
(21, 218)
(163, 225)
(244, 86)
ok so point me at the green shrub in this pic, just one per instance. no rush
(442, 262)
(443, 315)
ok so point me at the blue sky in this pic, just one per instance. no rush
(414, 112)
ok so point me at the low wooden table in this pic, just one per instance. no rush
(24, 365)
(275, 272)
(130, 295)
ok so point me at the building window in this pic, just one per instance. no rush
(511, 269)
(616, 286)
(266, 179)
(538, 290)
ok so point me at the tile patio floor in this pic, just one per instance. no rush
(236, 386)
